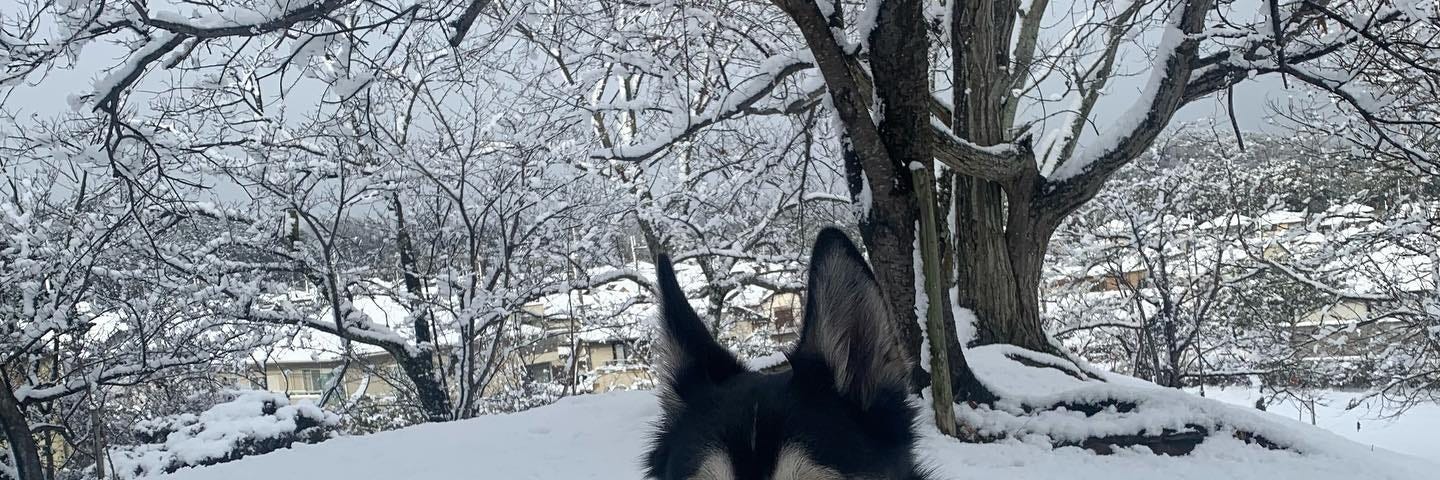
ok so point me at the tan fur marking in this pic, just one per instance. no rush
(715, 467)
(795, 464)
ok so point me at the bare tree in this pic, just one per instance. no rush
(85, 314)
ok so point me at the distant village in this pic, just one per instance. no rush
(581, 342)
(598, 340)
(1355, 290)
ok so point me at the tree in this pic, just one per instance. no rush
(1012, 175)
(86, 312)
(1294, 263)
(873, 91)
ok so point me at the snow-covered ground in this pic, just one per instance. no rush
(603, 436)
(1413, 432)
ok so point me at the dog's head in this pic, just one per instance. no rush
(840, 412)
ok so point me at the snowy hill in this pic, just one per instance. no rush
(603, 436)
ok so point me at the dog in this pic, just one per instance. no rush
(841, 412)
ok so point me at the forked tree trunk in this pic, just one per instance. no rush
(1002, 284)
(1000, 250)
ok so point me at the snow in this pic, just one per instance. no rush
(1172, 38)
(1411, 433)
(922, 299)
(1310, 452)
(105, 85)
(1282, 218)
(219, 432)
(232, 16)
(315, 346)
(767, 361)
(604, 436)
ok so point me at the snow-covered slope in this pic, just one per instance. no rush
(603, 436)
(1412, 433)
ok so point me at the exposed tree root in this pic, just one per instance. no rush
(1167, 442)
(1077, 372)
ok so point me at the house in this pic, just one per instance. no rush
(591, 358)
(1346, 341)
(1279, 221)
(591, 340)
(774, 315)
(303, 365)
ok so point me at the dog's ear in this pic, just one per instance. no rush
(848, 329)
(690, 356)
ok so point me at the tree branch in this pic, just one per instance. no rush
(1079, 179)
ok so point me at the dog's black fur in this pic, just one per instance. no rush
(842, 407)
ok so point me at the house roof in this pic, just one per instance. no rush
(1282, 217)
(621, 310)
(308, 345)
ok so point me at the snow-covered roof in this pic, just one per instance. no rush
(1282, 217)
(1226, 221)
(1351, 209)
(310, 345)
(621, 310)
(1347, 214)
(1404, 270)
(103, 323)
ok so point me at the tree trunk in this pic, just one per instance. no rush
(434, 401)
(900, 62)
(962, 379)
(23, 451)
(1000, 250)
(97, 441)
(997, 268)
(888, 232)
(419, 368)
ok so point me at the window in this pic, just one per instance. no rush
(315, 380)
(784, 317)
(620, 355)
(309, 380)
(540, 372)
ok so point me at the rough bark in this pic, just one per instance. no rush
(24, 452)
(876, 156)
(900, 62)
(421, 372)
(97, 441)
(998, 264)
(962, 379)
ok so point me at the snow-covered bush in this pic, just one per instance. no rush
(254, 422)
(521, 397)
(368, 415)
